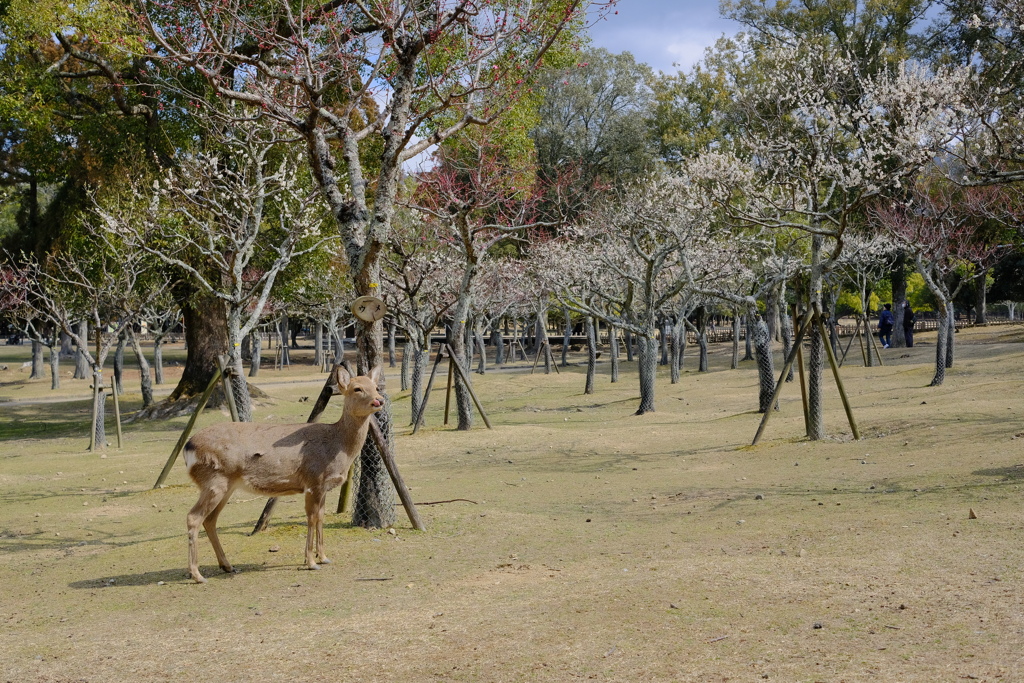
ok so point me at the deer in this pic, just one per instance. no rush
(278, 460)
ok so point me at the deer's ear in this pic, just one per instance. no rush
(341, 377)
(374, 375)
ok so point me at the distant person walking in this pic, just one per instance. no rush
(908, 324)
(885, 323)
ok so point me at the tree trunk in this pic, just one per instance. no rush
(117, 385)
(765, 366)
(463, 400)
(786, 323)
(158, 359)
(392, 325)
(420, 359)
(283, 328)
(37, 360)
(206, 337)
(816, 361)
(257, 353)
(613, 341)
(375, 499)
(980, 296)
(950, 332)
(567, 337)
(81, 364)
(481, 367)
(403, 373)
(898, 277)
(772, 314)
(678, 348)
(648, 367)
(700, 330)
(66, 350)
(498, 342)
(591, 355)
(54, 367)
(99, 411)
(629, 346)
(735, 341)
(145, 381)
(666, 332)
(941, 339)
(748, 350)
(318, 344)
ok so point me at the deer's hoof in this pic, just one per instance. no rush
(312, 566)
(198, 577)
(229, 569)
(324, 560)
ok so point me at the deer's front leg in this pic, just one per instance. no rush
(315, 528)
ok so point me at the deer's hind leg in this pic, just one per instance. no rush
(213, 495)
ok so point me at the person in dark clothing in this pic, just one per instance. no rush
(908, 324)
(885, 323)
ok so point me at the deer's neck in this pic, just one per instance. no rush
(352, 431)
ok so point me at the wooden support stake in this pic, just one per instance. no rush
(860, 340)
(418, 419)
(389, 462)
(188, 429)
(856, 333)
(803, 384)
(448, 390)
(782, 378)
(537, 359)
(874, 347)
(117, 414)
(835, 370)
(229, 393)
(469, 388)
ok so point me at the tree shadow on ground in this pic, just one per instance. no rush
(1014, 473)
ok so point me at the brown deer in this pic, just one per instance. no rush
(278, 460)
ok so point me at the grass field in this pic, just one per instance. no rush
(597, 545)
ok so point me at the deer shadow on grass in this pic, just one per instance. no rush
(171, 575)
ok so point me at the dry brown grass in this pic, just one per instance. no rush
(602, 546)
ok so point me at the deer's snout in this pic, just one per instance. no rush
(377, 403)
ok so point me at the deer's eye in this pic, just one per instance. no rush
(358, 390)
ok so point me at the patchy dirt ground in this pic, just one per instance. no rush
(598, 546)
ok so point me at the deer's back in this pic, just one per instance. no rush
(267, 459)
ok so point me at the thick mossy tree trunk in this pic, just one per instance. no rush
(206, 337)
(420, 359)
(498, 342)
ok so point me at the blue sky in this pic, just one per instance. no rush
(669, 35)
